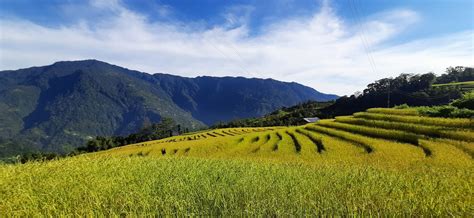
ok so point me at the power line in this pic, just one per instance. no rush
(241, 65)
(364, 31)
(227, 57)
(362, 36)
(236, 51)
(388, 97)
(365, 37)
(241, 59)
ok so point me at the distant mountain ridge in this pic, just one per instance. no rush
(214, 99)
(58, 107)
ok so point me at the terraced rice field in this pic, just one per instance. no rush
(379, 162)
(379, 132)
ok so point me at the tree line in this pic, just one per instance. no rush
(167, 127)
(286, 116)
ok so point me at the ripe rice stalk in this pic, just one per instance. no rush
(296, 143)
(432, 121)
(431, 131)
(405, 112)
(396, 135)
(318, 142)
(219, 134)
(354, 139)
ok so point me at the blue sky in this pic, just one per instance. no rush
(332, 46)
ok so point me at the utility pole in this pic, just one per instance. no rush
(388, 97)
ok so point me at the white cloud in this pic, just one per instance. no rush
(321, 51)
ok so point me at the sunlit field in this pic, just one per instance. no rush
(379, 162)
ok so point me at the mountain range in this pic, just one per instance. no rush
(58, 107)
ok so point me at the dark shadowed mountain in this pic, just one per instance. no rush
(58, 107)
(212, 99)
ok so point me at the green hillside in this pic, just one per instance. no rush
(378, 162)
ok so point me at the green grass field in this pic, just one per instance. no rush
(379, 162)
(466, 86)
(455, 84)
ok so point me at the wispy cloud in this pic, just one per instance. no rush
(321, 51)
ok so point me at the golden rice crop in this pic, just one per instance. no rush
(374, 132)
(358, 140)
(435, 121)
(431, 131)
(407, 111)
(149, 186)
(318, 141)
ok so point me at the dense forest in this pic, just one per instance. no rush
(410, 89)
(283, 117)
(167, 127)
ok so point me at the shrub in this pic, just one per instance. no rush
(38, 156)
(402, 106)
(447, 111)
(466, 101)
(463, 113)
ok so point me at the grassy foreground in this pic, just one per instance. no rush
(195, 186)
